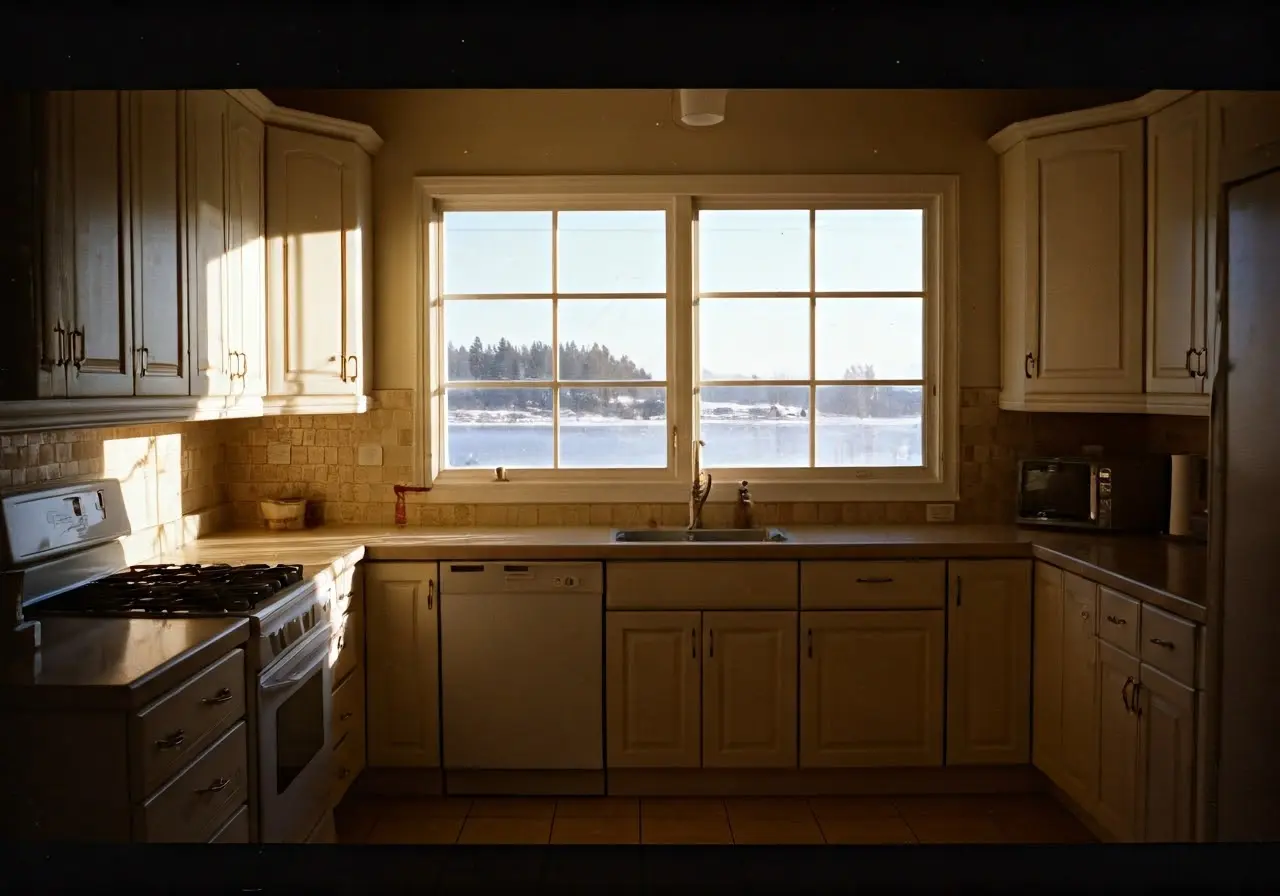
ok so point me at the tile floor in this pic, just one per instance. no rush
(1008, 819)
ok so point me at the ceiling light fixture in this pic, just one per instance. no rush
(702, 108)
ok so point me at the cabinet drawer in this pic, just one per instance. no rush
(347, 595)
(1169, 644)
(190, 807)
(173, 729)
(873, 585)
(347, 644)
(348, 706)
(705, 585)
(348, 762)
(236, 830)
(1119, 620)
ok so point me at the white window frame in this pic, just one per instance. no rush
(681, 196)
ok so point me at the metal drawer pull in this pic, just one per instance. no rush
(344, 773)
(1084, 614)
(220, 784)
(345, 716)
(1160, 642)
(1124, 694)
(173, 740)
(221, 697)
(1116, 620)
(874, 580)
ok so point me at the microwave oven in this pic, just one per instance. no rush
(1119, 494)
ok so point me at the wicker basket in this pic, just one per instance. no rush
(281, 514)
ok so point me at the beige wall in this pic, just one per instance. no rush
(454, 132)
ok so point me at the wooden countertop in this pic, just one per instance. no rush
(1168, 574)
(118, 663)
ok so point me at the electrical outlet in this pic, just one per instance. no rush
(940, 513)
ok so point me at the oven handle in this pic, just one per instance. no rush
(305, 664)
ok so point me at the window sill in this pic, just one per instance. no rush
(667, 492)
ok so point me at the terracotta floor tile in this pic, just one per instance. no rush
(422, 830)
(954, 829)
(774, 831)
(949, 806)
(595, 830)
(1047, 825)
(699, 831)
(866, 830)
(598, 807)
(354, 820)
(781, 809)
(508, 830)
(689, 809)
(423, 807)
(512, 807)
(833, 807)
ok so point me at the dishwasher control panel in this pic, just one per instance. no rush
(497, 578)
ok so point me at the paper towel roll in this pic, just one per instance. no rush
(1182, 492)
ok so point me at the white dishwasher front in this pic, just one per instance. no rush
(522, 665)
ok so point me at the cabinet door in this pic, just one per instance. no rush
(1118, 674)
(213, 368)
(1079, 757)
(247, 311)
(316, 263)
(1166, 759)
(92, 240)
(749, 689)
(871, 688)
(1046, 657)
(653, 710)
(1085, 220)
(402, 665)
(1178, 277)
(989, 662)
(156, 215)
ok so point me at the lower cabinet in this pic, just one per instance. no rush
(1116, 805)
(1166, 713)
(871, 688)
(1078, 763)
(402, 670)
(989, 662)
(687, 688)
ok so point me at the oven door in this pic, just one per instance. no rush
(295, 708)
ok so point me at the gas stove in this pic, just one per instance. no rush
(165, 589)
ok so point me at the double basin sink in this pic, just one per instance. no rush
(716, 536)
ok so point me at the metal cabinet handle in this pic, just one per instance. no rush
(1133, 699)
(345, 716)
(1028, 363)
(78, 358)
(693, 637)
(874, 580)
(143, 357)
(1187, 361)
(244, 365)
(810, 647)
(1160, 642)
(959, 590)
(1116, 620)
(1084, 614)
(431, 593)
(711, 644)
(1124, 694)
(62, 359)
(172, 741)
(221, 697)
(351, 360)
(1202, 362)
(220, 784)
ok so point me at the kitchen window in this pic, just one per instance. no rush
(581, 333)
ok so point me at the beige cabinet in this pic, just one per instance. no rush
(1179, 278)
(989, 662)
(871, 688)
(749, 689)
(1046, 674)
(246, 319)
(1118, 675)
(1166, 758)
(319, 203)
(1078, 764)
(653, 674)
(402, 640)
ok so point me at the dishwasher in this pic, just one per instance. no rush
(522, 665)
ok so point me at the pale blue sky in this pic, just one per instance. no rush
(608, 252)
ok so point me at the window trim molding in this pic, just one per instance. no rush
(677, 194)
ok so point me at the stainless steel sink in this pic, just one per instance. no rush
(698, 535)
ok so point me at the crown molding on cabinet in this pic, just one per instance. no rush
(257, 103)
(1147, 104)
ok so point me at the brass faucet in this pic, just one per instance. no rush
(701, 488)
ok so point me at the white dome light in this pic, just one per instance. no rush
(702, 108)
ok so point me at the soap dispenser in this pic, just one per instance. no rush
(743, 514)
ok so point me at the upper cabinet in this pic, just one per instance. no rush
(1108, 225)
(147, 285)
(318, 226)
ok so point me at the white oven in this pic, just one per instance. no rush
(295, 708)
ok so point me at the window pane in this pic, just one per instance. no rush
(604, 252)
(753, 251)
(497, 252)
(867, 339)
(865, 250)
(498, 428)
(755, 426)
(753, 339)
(870, 426)
(498, 339)
(613, 428)
(613, 339)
